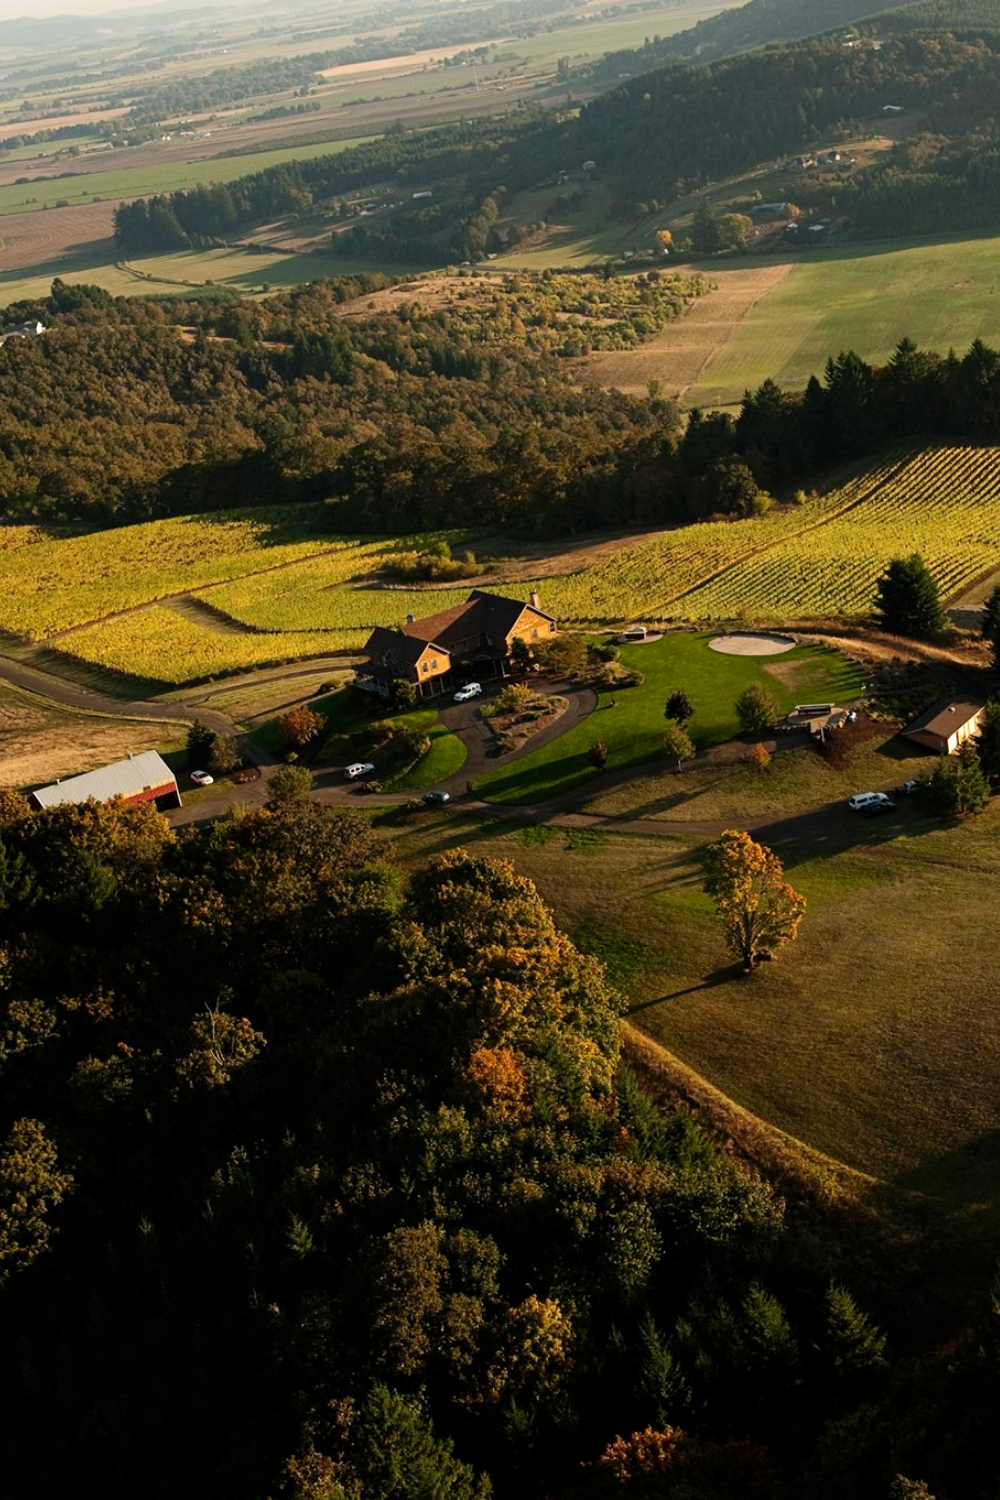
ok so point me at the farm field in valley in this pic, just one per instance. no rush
(132, 181)
(196, 596)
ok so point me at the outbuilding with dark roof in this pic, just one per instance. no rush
(947, 725)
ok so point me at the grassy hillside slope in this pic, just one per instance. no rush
(762, 22)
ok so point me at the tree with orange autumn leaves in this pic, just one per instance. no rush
(759, 911)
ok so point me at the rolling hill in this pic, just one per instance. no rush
(763, 22)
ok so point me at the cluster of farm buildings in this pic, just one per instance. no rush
(486, 637)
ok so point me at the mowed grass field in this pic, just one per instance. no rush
(630, 720)
(796, 781)
(875, 1037)
(942, 294)
(200, 596)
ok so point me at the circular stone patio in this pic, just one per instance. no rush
(751, 645)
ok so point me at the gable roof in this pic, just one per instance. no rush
(384, 642)
(481, 614)
(435, 629)
(124, 778)
(946, 716)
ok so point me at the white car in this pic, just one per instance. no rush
(861, 801)
(471, 690)
(202, 778)
(360, 768)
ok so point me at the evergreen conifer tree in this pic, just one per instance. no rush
(907, 600)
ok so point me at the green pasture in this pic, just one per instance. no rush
(132, 182)
(630, 720)
(168, 275)
(591, 39)
(941, 293)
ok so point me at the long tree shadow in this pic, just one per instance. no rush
(710, 982)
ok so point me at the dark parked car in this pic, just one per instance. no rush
(876, 809)
(245, 774)
(434, 799)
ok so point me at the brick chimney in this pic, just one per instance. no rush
(533, 599)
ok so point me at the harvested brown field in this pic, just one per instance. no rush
(678, 354)
(411, 62)
(39, 238)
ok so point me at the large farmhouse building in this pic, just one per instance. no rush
(947, 725)
(140, 778)
(440, 652)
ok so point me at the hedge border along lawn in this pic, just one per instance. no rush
(633, 728)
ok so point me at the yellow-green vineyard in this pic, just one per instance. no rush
(201, 596)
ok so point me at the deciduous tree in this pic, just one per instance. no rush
(677, 742)
(759, 758)
(759, 911)
(300, 726)
(224, 756)
(31, 1186)
(756, 709)
(290, 784)
(679, 707)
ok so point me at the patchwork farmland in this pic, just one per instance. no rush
(195, 597)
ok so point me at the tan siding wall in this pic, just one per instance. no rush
(426, 660)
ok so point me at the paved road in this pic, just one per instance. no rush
(74, 695)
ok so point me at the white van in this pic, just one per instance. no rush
(861, 800)
(633, 633)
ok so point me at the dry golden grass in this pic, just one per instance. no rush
(40, 742)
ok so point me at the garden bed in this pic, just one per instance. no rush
(515, 718)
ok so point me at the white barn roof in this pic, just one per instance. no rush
(125, 778)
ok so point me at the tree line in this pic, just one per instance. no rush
(417, 417)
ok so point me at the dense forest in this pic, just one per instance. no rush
(423, 416)
(325, 1183)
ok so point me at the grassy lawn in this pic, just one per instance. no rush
(796, 781)
(443, 759)
(633, 728)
